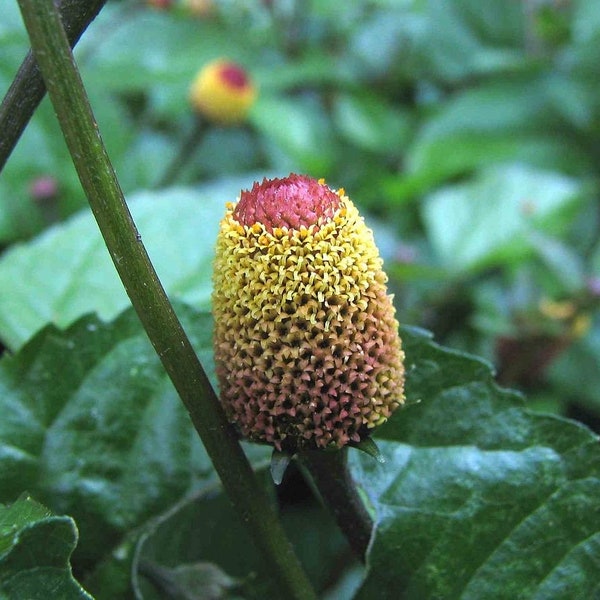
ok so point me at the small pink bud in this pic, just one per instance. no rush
(43, 188)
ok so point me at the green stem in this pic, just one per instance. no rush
(54, 57)
(27, 88)
(330, 474)
(184, 154)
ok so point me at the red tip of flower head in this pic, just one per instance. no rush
(234, 76)
(290, 202)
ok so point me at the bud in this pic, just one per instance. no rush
(223, 93)
(43, 189)
(306, 344)
(201, 8)
(593, 286)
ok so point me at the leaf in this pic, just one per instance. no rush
(35, 548)
(134, 50)
(565, 264)
(201, 529)
(434, 161)
(467, 38)
(11, 26)
(499, 121)
(371, 124)
(575, 374)
(488, 221)
(66, 272)
(388, 39)
(309, 69)
(479, 497)
(586, 22)
(93, 427)
(204, 530)
(196, 581)
(298, 128)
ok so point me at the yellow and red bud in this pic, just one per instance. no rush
(223, 93)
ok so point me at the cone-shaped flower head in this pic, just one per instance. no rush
(223, 93)
(306, 344)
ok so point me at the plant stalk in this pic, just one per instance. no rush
(184, 154)
(28, 88)
(53, 54)
(332, 478)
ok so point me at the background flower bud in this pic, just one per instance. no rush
(160, 4)
(44, 188)
(306, 344)
(223, 93)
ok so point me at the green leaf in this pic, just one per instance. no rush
(204, 530)
(299, 129)
(35, 548)
(468, 38)
(133, 49)
(371, 123)
(11, 26)
(196, 581)
(566, 265)
(439, 159)
(306, 70)
(499, 121)
(586, 21)
(479, 497)
(66, 272)
(575, 375)
(201, 529)
(489, 220)
(92, 425)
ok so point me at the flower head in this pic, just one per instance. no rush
(306, 344)
(223, 93)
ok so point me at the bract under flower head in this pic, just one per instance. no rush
(306, 344)
(223, 93)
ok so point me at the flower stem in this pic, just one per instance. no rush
(184, 154)
(53, 54)
(28, 89)
(332, 478)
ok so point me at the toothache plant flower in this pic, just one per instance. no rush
(223, 93)
(306, 343)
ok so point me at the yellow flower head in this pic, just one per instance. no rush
(306, 344)
(223, 93)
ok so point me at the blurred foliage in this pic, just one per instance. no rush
(467, 130)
